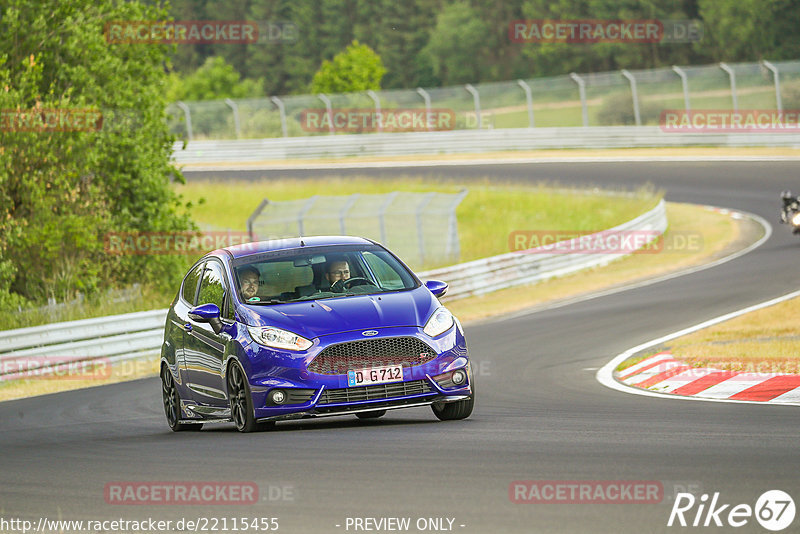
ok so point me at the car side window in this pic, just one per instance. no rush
(190, 284)
(212, 288)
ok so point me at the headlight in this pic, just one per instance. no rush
(796, 219)
(440, 322)
(280, 339)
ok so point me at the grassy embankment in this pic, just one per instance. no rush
(763, 341)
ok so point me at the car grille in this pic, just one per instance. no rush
(378, 391)
(340, 358)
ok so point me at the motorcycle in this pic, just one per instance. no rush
(790, 214)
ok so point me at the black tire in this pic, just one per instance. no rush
(172, 403)
(241, 402)
(453, 411)
(371, 415)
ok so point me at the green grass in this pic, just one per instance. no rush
(763, 341)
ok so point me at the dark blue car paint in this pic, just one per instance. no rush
(199, 358)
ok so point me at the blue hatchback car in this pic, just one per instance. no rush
(310, 327)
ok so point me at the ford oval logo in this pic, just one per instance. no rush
(369, 333)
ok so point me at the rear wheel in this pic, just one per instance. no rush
(371, 415)
(172, 403)
(242, 402)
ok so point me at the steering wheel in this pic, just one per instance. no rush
(341, 285)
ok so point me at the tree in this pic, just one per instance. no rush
(457, 48)
(65, 186)
(748, 30)
(215, 80)
(357, 68)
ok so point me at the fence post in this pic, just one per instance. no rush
(477, 101)
(453, 245)
(582, 90)
(235, 109)
(302, 213)
(636, 116)
(732, 76)
(420, 233)
(327, 102)
(279, 104)
(374, 96)
(188, 115)
(427, 98)
(343, 212)
(775, 76)
(685, 84)
(253, 217)
(528, 101)
(382, 214)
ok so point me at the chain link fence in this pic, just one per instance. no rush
(613, 98)
(421, 228)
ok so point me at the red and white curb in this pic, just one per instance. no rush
(663, 373)
(692, 384)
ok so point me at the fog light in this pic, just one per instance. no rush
(277, 396)
(459, 377)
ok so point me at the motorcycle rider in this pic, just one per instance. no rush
(791, 204)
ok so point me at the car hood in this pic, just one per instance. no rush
(314, 318)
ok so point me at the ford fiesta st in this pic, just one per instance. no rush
(310, 327)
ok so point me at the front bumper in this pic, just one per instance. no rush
(319, 395)
(326, 403)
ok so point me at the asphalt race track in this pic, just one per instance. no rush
(540, 413)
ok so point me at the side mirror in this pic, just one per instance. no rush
(207, 313)
(437, 287)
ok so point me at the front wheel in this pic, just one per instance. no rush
(453, 411)
(242, 402)
(172, 403)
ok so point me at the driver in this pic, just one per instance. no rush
(337, 269)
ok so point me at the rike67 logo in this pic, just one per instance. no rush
(774, 510)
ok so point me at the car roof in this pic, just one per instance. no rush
(246, 249)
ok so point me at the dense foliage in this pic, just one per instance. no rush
(65, 186)
(358, 68)
(432, 43)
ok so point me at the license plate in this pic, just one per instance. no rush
(375, 375)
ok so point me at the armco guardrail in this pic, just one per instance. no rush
(115, 338)
(134, 335)
(463, 141)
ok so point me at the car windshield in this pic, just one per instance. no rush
(315, 273)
